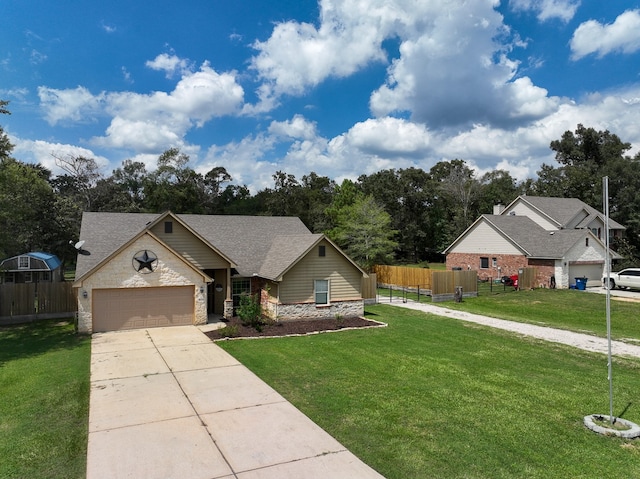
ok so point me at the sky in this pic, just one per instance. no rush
(336, 87)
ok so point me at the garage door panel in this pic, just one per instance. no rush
(135, 308)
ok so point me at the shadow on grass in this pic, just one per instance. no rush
(32, 339)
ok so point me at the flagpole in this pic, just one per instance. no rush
(605, 192)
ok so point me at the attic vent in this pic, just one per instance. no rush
(322, 250)
(168, 226)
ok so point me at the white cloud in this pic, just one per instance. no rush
(623, 35)
(548, 9)
(43, 152)
(455, 72)
(149, 122)
(299, 127)
(170, 64)
(77, 104)
(453, 67)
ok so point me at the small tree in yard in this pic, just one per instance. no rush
(250, 311)
(364, 231)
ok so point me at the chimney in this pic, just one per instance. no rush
(498, 209)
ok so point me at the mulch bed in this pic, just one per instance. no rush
(287, 328)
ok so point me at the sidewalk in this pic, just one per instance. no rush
(169, 403)
(578, 340)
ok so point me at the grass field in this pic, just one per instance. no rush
(434, 397)
(560, 308)
(44, 401)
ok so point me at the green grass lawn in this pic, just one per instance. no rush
(44, 401)
(560, 308)
(434, 397)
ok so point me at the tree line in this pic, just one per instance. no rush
(404, 215)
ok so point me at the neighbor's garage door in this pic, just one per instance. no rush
(134, 308)
(593, 273)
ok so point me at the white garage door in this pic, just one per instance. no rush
(134, 308)
(593, 273)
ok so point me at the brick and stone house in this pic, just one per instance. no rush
(562, 238)
(142, 270)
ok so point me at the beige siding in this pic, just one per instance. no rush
(483, 239)
(345, 280)
(190, 247)
(521, 209)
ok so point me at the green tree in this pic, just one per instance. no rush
(365, 233)
(496, 187)
(26, 208)
(174, 186)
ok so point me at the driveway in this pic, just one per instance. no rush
(617, 294)
(169, 403)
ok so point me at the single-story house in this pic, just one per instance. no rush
(141, 270)
(36, 267)
(563, 238)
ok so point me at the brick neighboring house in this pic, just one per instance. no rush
(142, 270)
(562, 238)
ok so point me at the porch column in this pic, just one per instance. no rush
(228, 302)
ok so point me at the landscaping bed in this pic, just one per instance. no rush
(236, 329)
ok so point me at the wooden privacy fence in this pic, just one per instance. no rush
(527, 278)
(444, 284)
(29, 301)
(403, 276)
(369, 287)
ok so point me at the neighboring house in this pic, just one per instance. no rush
(562, 238)
(145, 270)
(31, 268)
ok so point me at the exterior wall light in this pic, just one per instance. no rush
(85, 294)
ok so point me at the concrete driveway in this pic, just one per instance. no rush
(169, 403)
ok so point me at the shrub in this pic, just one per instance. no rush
(250, 312)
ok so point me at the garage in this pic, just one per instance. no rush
(593, 272)
(135, 308)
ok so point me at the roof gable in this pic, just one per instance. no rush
(530, 238)
(563, 213)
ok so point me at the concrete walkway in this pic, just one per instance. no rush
(169, 403)
(578, 340)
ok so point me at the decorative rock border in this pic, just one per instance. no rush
(631, 433)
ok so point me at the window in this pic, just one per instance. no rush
(168, 226)
(27, 277)
(494, 262)
(23, 262)
(46, 276)
(239, 287)
(484, 262)
(322, 250)
(321, 291)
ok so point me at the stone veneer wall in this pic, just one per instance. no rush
(346, 309)
(119, 273)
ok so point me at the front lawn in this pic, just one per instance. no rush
(44, 401)
(435, 397)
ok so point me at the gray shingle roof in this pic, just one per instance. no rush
(249, 241)
(563, 210)
(535, 241)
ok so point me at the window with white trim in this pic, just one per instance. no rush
(23, 262)
(321, 291)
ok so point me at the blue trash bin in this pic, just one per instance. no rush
(581, 284)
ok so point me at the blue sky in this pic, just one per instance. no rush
(340, 87)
